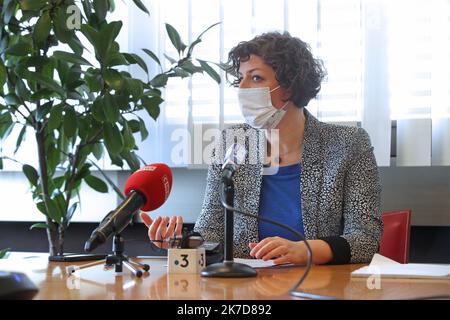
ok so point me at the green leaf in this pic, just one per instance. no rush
(112, 138)
(211, 26)
(128, 139)
(9, 8)
(152, 105)
(21, 90)
(94, 81)
(175, 38)
(178, 72)
(96, 184)
(41, 207)
(43, 110)
(70, 213)
(31, 174)
(115, 188)
(134, 87)
(152, 55)
(131, 159)
(55, 118)
(134, 125)
(76, 45)
(46, 82)
(4, 252)
(159, 80)
(135, 59)
(110, 109)
(19, 49)
(42, 27)
(12, 99)
(3, 74)
(70, 122)
(98, 109)
(209, 70)
(32, 5)
(143, 129)
(190, 67)
(60, 25)
(90, 33)
(70, 57)
(100, 8)
(172, 60)
(40, 226)
(106, 37)
(116, 59)
(53, 211)
(20, 138)
(198, 40)
(141, 6)
(6, 125)
(97, 151)
(113, 79)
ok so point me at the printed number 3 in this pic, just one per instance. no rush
(184, 260)
(202, 260)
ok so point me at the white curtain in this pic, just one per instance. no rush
(388, 66)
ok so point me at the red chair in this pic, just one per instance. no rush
(395, 240)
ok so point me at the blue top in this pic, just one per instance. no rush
(280, 200)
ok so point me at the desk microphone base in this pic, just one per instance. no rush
(228, 269)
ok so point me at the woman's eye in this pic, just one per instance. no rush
(256, 78)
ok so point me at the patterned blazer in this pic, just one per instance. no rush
(340, 190)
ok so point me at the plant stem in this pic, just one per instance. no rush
(52, 232)
(73, 174)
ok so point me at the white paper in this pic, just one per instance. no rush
(255, 263)
(388, 268)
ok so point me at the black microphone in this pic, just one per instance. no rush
(147, 188)
(234, 157)
(115, 221)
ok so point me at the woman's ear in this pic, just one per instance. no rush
(287, 94)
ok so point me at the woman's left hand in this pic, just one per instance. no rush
(279, 249)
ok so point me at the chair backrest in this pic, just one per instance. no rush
(396, 235)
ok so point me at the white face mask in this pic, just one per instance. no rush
(257, 109)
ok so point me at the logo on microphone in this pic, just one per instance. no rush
(166, 183)
(148, 168)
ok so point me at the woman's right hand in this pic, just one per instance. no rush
(162, 228)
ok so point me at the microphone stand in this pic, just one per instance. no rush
(228, 268)
(118, 259)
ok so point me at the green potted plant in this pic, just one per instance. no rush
(75, 107)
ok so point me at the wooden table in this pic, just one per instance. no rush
(273, 283)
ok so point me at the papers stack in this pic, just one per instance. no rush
(388, 268)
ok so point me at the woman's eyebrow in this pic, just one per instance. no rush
(250, 71)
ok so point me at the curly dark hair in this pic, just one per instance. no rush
(291, 59)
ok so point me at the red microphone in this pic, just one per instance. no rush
(147, 189)
(154, 182)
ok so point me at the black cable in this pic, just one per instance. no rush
(293, 291)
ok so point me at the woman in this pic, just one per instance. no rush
(326, 184)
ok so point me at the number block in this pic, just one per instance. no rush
(186, 260)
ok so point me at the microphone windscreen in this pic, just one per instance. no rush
(154, 181)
